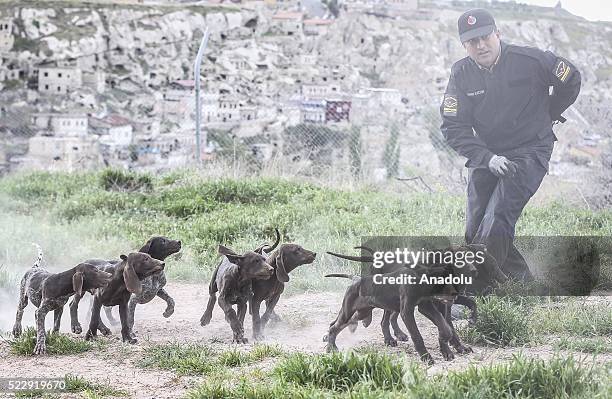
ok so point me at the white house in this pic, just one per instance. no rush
(114, 130)
(69, 124)
(315, 90)
(6, 35)
(62, 125)
(229, 109)
(317, 26)
(59, 80)
(61, 153)
(288, 23)
(95, 80)
(390, 99)
(313, 111)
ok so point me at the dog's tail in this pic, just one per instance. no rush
(342, 275)
(40, 255)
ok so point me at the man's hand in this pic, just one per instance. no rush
(501, 166)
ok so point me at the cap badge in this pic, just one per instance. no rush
(471, 20)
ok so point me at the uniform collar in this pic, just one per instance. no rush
(497, 60)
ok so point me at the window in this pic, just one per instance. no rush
(46, 87)
(59, 74)
(59, 89)
(46, 74)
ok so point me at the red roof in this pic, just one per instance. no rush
(287, 15)
(318, 21)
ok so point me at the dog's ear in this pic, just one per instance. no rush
(132, 282)
(281, 272)
(147, 247)
(77, 283)
(223, 250)
(123, 257)
(235, 259)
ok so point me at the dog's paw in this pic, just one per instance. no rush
(105, 331)
(258, 337)
(76, 328)
(426, 357)
(168, 312)
(464, 349)
(40, 349)
(330, 348)
(205, 319)
(400, 336)
(390, 342)
(130, 340)
(17, 330)
(447, 354)
(241, 340)
(90, 335)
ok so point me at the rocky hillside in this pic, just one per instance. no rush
(144, 47)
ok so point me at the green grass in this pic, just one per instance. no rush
(183, 359)
(341, 371)
(500, 322)
(76, 384)
(585, 345)
(57, 344)
(583, 319)
(242, 213)
(382, 376)
(516, 321)
(197, 359)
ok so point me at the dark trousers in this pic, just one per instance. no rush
(494, 205)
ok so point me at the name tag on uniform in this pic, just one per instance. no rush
(475, 93)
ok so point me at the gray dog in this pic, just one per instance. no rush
(48, 291)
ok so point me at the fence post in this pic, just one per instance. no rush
(198, 106)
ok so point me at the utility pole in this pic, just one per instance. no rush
(198, 110)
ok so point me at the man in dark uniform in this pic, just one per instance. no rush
(498, 110)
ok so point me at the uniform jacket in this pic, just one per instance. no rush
(510, 106)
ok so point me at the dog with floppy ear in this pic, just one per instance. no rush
(127, 280)
(159, 247)
(284, 260)
(232, 279)
(50, 292)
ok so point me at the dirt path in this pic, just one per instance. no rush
(306, 318)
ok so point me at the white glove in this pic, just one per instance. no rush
(501, 166)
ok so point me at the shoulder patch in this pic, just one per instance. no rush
(450, 105)
(561, 70)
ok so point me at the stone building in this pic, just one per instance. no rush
(59, 80)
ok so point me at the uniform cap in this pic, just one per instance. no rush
(475, 23)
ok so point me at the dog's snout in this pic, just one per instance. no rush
(163, 264)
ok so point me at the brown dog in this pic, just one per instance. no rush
(232, 279)
(284, 260)
(127, 280)
(404, 298)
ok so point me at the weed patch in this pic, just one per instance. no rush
(57, 343)
(500, 322)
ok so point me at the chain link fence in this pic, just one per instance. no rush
(373, 136)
